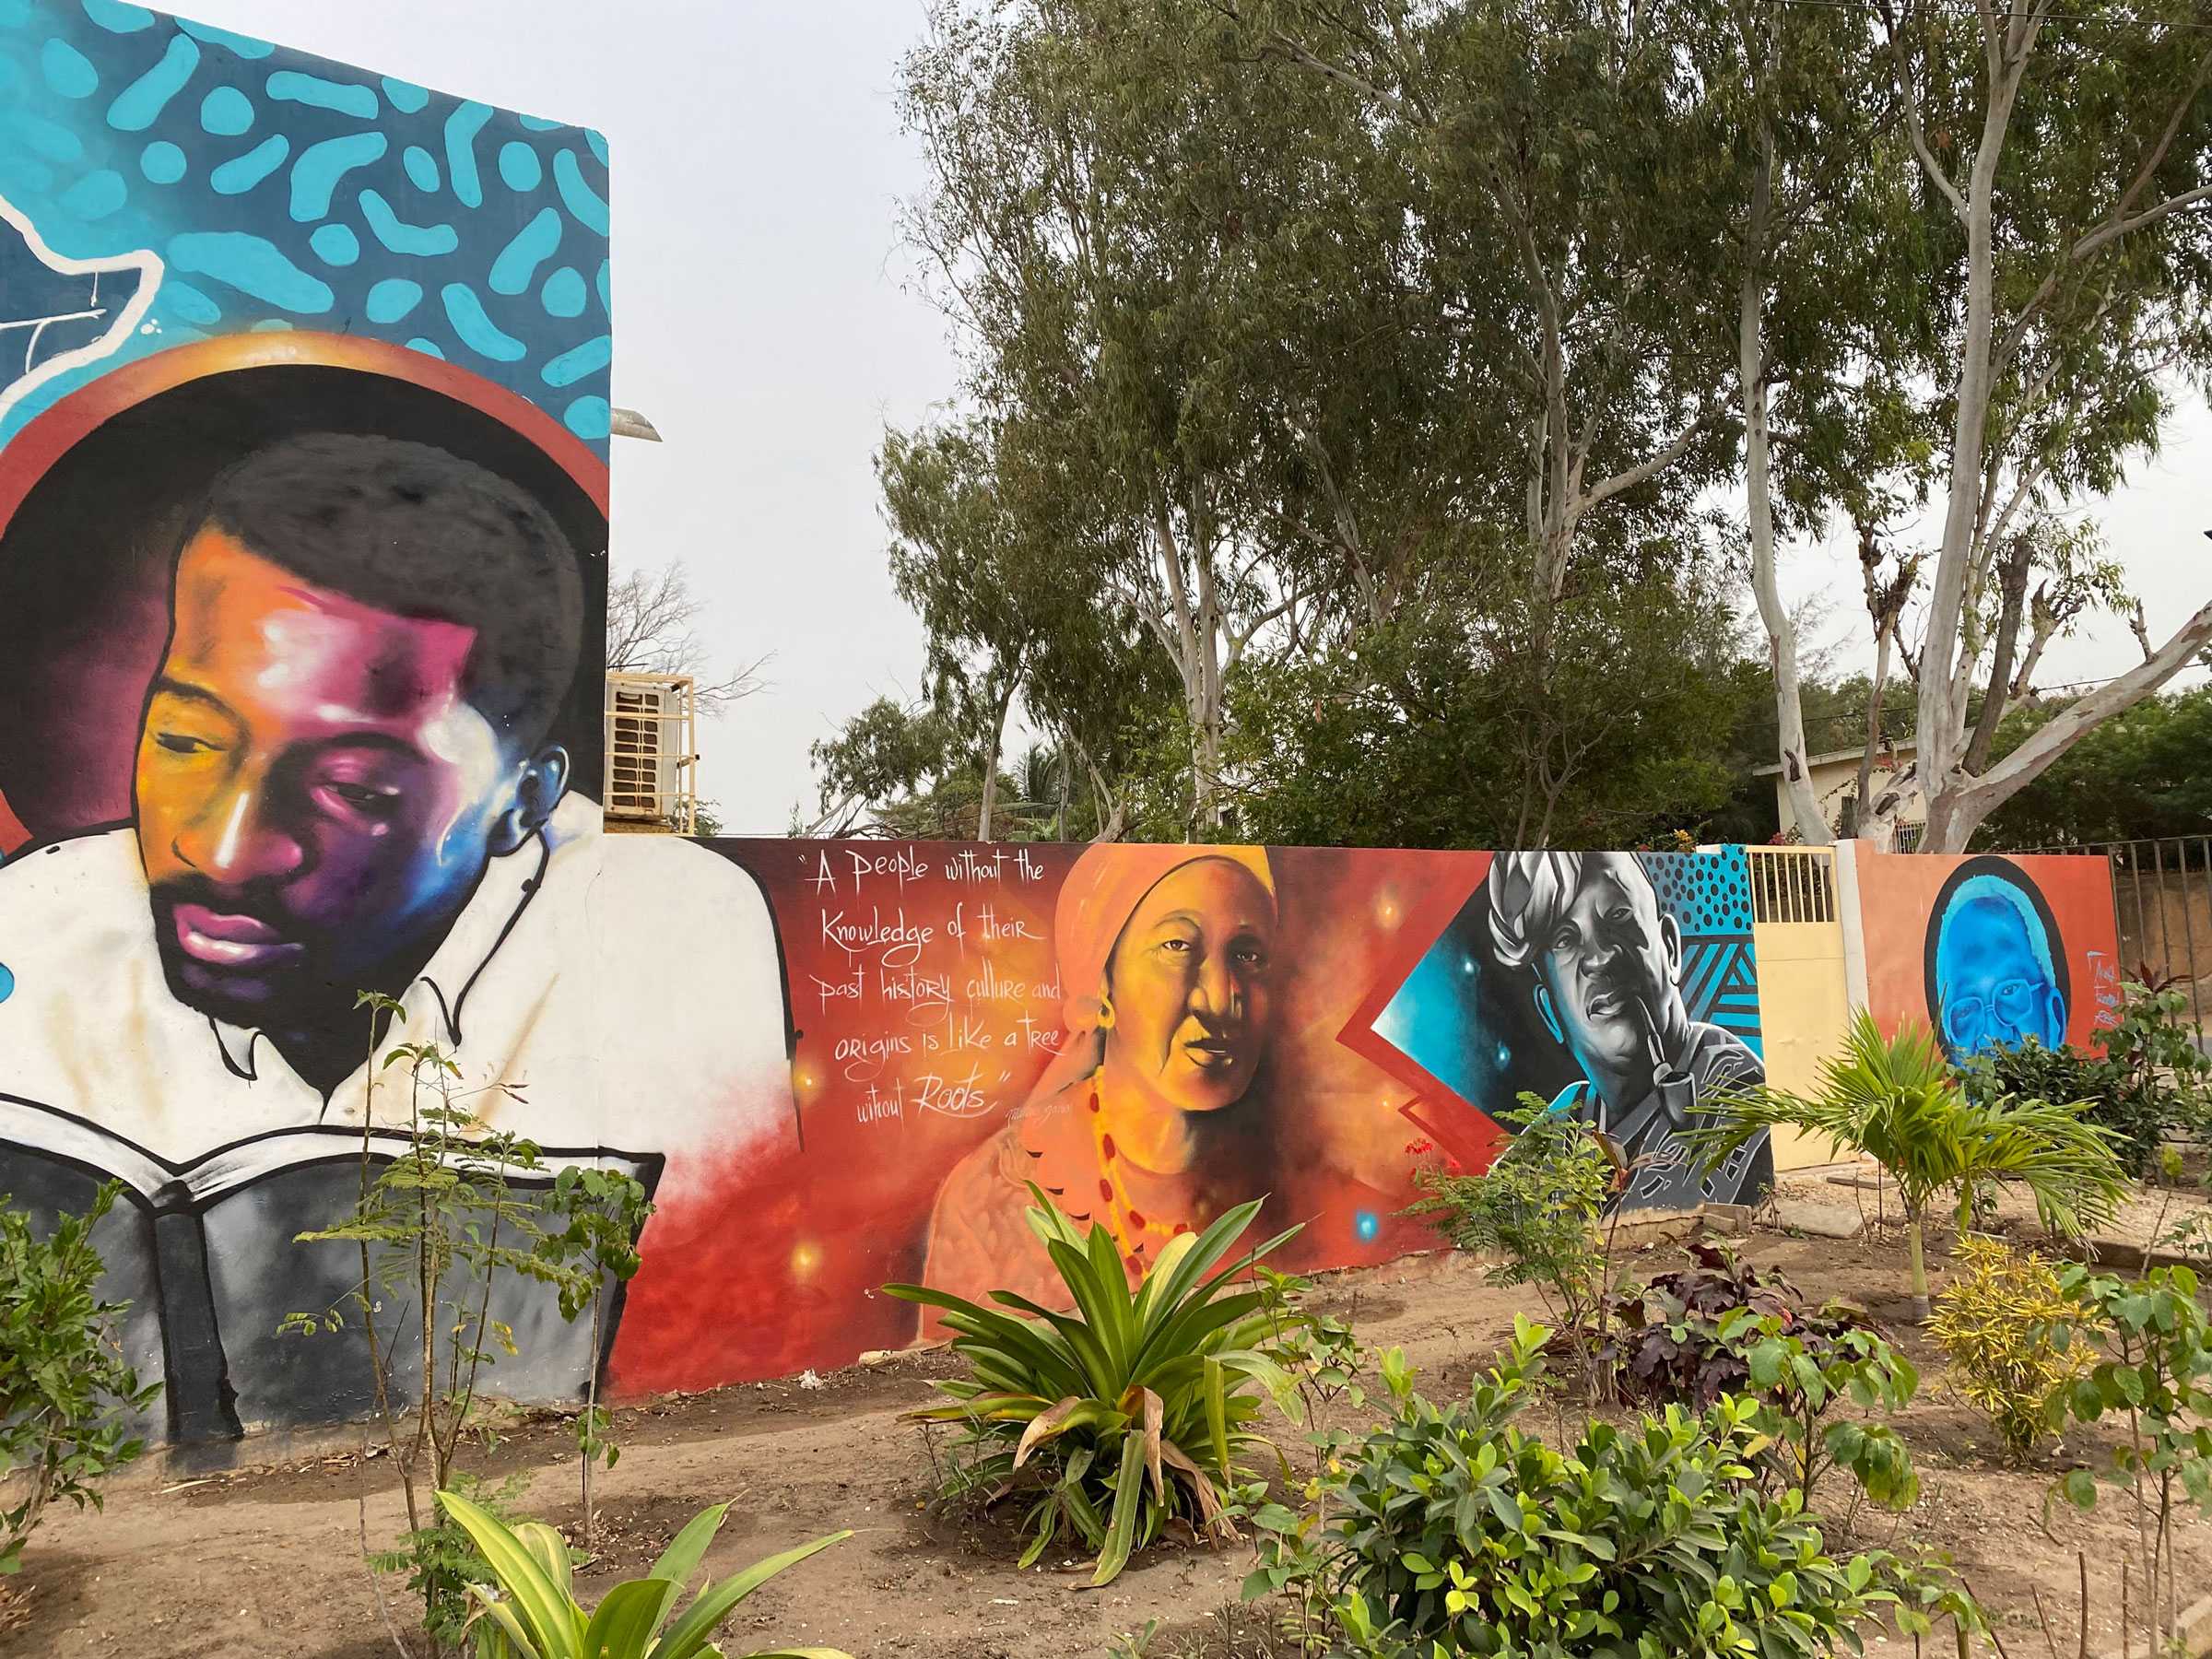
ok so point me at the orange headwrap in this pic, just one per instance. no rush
(1101, 892)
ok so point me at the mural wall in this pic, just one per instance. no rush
(1154, 1033)
(1989, 951)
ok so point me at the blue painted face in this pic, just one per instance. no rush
(1996, 990)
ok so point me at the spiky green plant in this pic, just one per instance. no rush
(1126, 1412)
(1898, 1101)
(537, 1616)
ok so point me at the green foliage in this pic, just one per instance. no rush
(537, 1615)
(1536, 1209)
(1480, 717)
(1994, 1320)
(604, 1211)
(1800, 1375)
(1465, 1536)
(2150, 1352)
(2151, 1080)
(2138, 776)
(1668, 1342)
(440, 1561)
(64, 1381)
(434, 1227)
(1896, 1099)
(1128, 1412)
(1323, 1361)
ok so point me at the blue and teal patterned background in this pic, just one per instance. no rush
(280, 190)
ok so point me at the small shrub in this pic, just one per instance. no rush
(2151, 1081)
(1995, 1321)
(537, 1616)
(1465, 1536)
(2150, 1366)
(1125, 1415)
(1800, 1376)
(1536, 1209)
(1665, 1342)
(64, 1381)
(1323, 1363)
(440, 1561)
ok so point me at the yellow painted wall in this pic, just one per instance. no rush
(1803, 1007)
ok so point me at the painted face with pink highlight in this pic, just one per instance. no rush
(316, 798)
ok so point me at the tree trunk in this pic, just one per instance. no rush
(591, 1415)
(1874, 730)
(1812, 827)
(2013, 586)
(991, 753)
(1916, 1255)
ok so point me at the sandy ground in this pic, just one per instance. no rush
(268, 1562)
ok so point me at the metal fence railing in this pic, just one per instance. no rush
(2162, 910)
(1793, 884)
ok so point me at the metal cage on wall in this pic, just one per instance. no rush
(651, 723)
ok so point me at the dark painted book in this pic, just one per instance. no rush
(207, 1254)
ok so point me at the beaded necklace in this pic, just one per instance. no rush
(1132, 1230)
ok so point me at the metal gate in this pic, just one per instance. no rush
(2162, 910)
(1804, 992)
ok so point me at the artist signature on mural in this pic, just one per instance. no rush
(2104, 979)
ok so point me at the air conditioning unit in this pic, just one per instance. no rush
(643, 750)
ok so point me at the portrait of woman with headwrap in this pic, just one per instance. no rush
(1148, 1120)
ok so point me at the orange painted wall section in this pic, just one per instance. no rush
(2009, 947)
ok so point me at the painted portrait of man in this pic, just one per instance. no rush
(1995, 969)
(353, 766)
(1604, 965)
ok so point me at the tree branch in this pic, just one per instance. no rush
(1980, 796)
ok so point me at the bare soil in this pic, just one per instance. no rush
(268, 1562)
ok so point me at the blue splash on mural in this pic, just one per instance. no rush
(279, 190)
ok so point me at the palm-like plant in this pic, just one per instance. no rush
(537, 1615)
(1897, 1100)
(1128, 1411)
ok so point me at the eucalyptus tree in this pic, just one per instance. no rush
(981, 550)
(1158, 264)
(1547, 149)
(2064, 157)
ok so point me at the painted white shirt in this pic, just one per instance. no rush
(627, 990)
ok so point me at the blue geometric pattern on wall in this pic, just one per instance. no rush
(281, 191)
(1708, 895)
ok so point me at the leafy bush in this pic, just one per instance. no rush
(64, 1381)
(1128, 1412)
(1800, 1377)
(1465, 1536)
(1665, 1342)
(439, 1560)
(2151, 1081)
(1896, 1099)
(1536, 1211)
(1322, 1362)
(2150, 1366)
(537, 1615)
(1995, 1321)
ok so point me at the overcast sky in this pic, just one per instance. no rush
(763, 320)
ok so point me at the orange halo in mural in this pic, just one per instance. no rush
(53, 432)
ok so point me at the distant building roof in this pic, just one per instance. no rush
(1903, 745)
